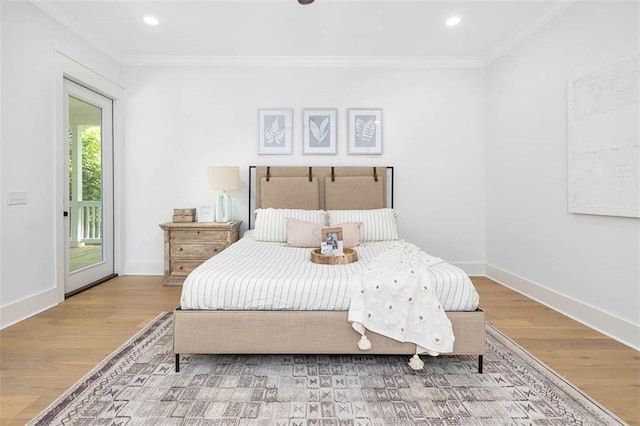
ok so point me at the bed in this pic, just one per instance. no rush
(240, 302)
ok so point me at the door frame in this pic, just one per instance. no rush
(102, 270)
(70, 69)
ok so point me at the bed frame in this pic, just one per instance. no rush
(309, 332)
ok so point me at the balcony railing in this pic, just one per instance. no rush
(86, 222)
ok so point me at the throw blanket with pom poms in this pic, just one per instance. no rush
(394, 297)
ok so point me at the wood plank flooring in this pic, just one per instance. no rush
(44, 355)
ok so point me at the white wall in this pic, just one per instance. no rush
(586, 266)
(28, 266)
(182, 119)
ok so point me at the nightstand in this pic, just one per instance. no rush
(188, 244)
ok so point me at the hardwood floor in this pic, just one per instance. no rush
(44, 355)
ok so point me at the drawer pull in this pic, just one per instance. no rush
(181, 267)
(181, 249)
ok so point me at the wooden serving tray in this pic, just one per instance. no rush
(349, 256)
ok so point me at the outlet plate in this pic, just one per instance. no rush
(17, 197)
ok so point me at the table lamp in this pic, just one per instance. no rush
(224, 178)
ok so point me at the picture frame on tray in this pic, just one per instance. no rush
(332, 242)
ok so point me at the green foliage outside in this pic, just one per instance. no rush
(91, 165)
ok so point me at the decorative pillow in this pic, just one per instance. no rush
(350, 233)
(303, 234)
(377, 224)
(271, 226)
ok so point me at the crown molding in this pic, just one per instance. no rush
(306, 61)
(525, 32)
(58, 14)
(516, 38)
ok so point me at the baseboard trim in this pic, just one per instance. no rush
(473, 269)
(612, 326)
(143, 268)
(15, 312)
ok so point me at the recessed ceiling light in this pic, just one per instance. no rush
(150, 20)
(453, 21)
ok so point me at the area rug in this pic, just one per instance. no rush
(137, 385)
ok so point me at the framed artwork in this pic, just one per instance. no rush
(319, 131)
(204, 212)
(275, 131)
(332, 244)
(365, 131)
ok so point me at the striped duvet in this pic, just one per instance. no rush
(257, 275)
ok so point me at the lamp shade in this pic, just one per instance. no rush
(224, 178)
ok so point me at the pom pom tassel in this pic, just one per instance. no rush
(416, 363)
(364, 344)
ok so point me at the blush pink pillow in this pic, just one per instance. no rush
(303, 234)
(350, 233)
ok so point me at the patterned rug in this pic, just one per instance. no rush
(137, 385)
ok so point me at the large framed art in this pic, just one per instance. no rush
(365, 131)
(275, 131)
(319, 131)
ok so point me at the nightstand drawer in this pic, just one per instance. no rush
(200, 235)
(197, 251)
(182, 268)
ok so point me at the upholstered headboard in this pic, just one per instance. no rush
(328, 188)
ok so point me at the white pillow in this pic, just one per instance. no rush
(271, 225)
(377, 224)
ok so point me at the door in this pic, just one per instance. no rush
(88, 204)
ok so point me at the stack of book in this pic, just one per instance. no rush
(184, 215)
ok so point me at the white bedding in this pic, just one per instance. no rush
(256, 275)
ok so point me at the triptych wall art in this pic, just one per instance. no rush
(319, 131)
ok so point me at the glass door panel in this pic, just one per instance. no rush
(85, 184)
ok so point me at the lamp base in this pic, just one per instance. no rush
(223, 208)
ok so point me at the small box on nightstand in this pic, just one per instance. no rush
(184, 215)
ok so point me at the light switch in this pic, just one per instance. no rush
(17, 197)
